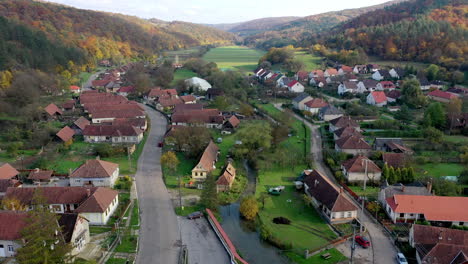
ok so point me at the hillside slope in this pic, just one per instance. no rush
(433, 31)
(99, 35)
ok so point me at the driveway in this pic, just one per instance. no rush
(88, 84)
(202, 243)
(159, 240)
(383, 250)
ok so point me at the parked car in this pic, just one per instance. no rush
(274, 191)
(362, 241)
(161, 144)
(195, 215)
(401, 258)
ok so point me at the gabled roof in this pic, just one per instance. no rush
(370, 83)
(302, 75)
(67, 222)
(65, 134)
(442, 94)
(300, 97)
(343, 121)
(40, 174)
(53, 195)
(112, 130)
(228, 175)
(234, 121)
(99, 201)
(12, 224)
(5, 184)
(387, 85)
(74, 88)
(399, 188)
(399, 71)
(52, 109)
(346, 131)
(316, 103)
(209, 156)
(81, 122)
(379, 96)
(434, 208)
(395, 160)
(346, 68)
(358, 164)
(331, 110)
(385, 74)
(170, 102)
(126, 89)
(69, 104)
(395, 94)
(7, 172)
(352, 142)
(188, 98)
(291, 84)
(331, 71)
(324, 191)
(350, 85)
(318, 73)
(95, 169)
(118, 114)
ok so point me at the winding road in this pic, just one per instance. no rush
(383, 249)
(159, 240)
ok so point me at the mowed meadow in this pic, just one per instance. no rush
(234, 57)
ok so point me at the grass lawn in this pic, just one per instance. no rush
(440, 169)
(224, 147)
(188, 210)
(182, 74)
(456, 139)
(234, 58)
(336, 257)
(394, 63)
(135, 220)
(370, 192)
(128, 244)
(310, 61)
(95, 230)
(116, 261)
(307, 229)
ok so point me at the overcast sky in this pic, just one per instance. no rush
(217, 11)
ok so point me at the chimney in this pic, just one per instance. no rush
(429, 186)
(88, 192)
(341, 189)
(36, 169)
(403, 188)
(98, 157)
(69, 172)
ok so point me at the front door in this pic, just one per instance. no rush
(2, 251)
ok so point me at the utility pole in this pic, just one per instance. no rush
(180, 196)
(129, 158)
(361, 227)
(365, 178)
(353, 245)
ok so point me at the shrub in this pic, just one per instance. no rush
(249, 208)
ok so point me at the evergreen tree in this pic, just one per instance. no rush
(385, 172)
(209, 196)
(435, 115)
(404, 175)
(398, 175)
(391, 176)
(411, 175)
(44, 243)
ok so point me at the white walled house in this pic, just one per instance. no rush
(377, 98)
(347, 87)
(300, 100)
(367, 85)
(295, 87)
(354, 170)
(116, 134)
(97, 173)
(100, 206)
(380, 75)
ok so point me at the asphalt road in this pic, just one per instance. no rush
(159, 240)
(383, 250)
(202, 243)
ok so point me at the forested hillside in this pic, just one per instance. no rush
(98, 35)
(433, 31)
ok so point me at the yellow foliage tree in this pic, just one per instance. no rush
(249, 208)
(13, 204)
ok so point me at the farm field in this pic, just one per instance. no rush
(394, 63)
(234, 57)
(183, 54)
(310, 61)
(440, 169)
(182, 74)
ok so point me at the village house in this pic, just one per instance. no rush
(212, 93)
(188, 99)
(377, 98)
(441, 96)
(75, 230)
(79, 125)
(165, 104)
(313, 106)
(330, 72)
(209, 118)
(395, 145)
(40, 177)
(95, 173)
(352, 144)
(367, 85)
(439, 245)
(96, 204)
(225, 181)
(116, 134)
(397, 73)
(424, 83)
(359, 169)
(207, 162)
(347, 87)
(69, 106)
(320, 82)
(299, 101)
(10, 232)
(393, 96)
(126, 90)
(380, 75)
(109, 115)
(385, 86)
(328, 199)
(156, 93)
(373, 68)
(395, 160)
(360, 69)
(198, 84)
(316, 74)
(302, 76)
(5, 184)
(345, 70)
(75, 89)
(438, 210)
(65, 134)
(345, 131)
(140, 123)
(295, 87)
(458, 91)
(330, 112)
(52, 111)
(387, 191)
(7, 172)
(343, 121)
(231, 123)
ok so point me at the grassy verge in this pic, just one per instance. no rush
(371, 193)
(336, 257)
(128, 244)
(135, 220)
(188, 210)
(96, 230)
(116, 261)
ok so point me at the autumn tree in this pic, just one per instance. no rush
(143, 83)
(42, 236)
(432, 135)
(13, 204)
(249, 208)
(255, 137)
(192, 140)
(170, 161)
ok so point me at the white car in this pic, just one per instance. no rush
(401, 259)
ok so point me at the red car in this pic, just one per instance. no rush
(161, 144)
(362, 241)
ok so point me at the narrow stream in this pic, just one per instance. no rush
(244, 234)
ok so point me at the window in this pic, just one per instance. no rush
(56, 208)
(348, 214)
(402, 215)
(10, 248)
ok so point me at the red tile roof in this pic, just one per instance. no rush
(346, 68)
(318, 73)
(53, 195)
(379, 96)
(434, 208)
(81, 122)
(291, 84)
(156, 92)
(188, 98)
(396, 160)
(99, 201)
(111, 130)
(234, 121)
(387, 85)
(65, 134)
(331, 71)
(302, 75)
(228, 176)
(12, 224)
(95, 169)
(52, 109)
(7, 172)
(133, 113)
(352, 142)
(316, 103)
(343, 121)
(126, 89)
(40, 175)
(75, 88)
(97, 107)
(209, 157)
(346, 131)
(69, 104)
(358, 164)
(395, 94)
(170, 102)
(5, 184)
(442, 94)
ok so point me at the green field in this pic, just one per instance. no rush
(182, 74)
(456, 139)
(336, 257)
(440, 169)
(394, 63)
(234, 57)
(311, 62)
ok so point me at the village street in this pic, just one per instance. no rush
(382, 251)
